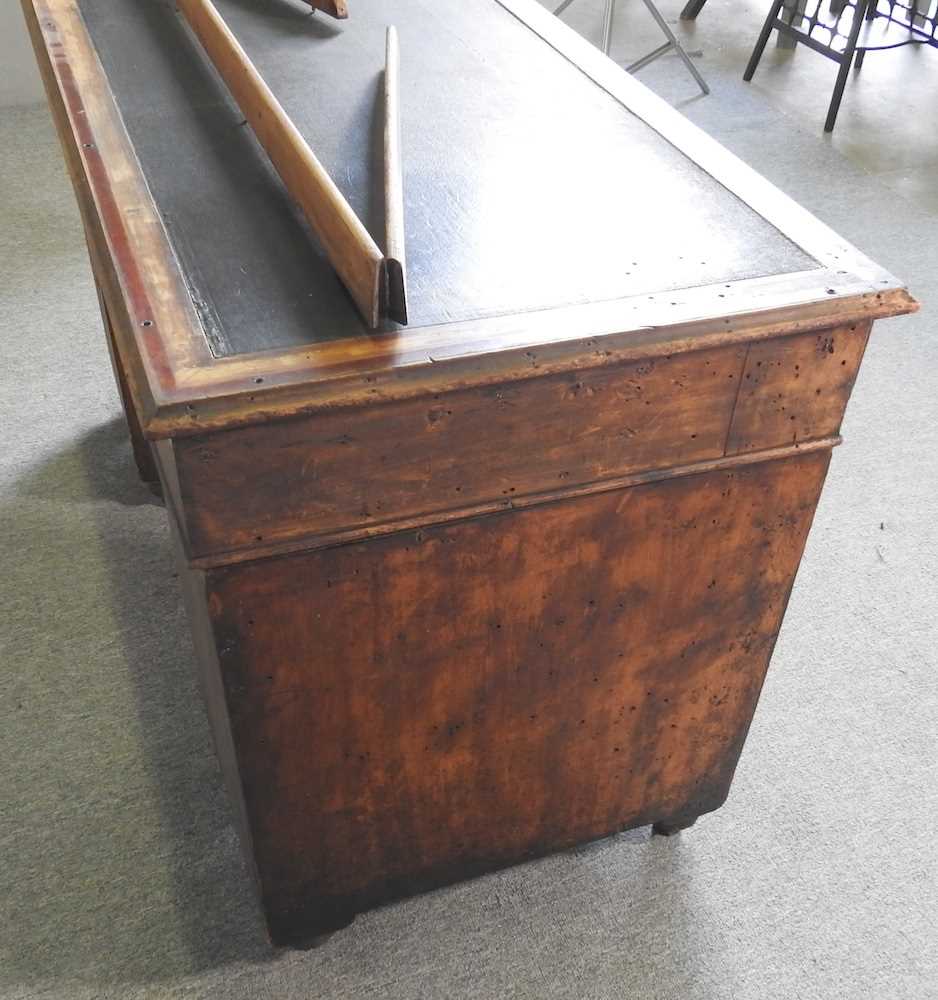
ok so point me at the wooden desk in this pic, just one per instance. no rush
(506, 580)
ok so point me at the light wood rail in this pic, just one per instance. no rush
(350, 248)
(396, 266)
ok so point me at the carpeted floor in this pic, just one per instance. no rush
(119, 869)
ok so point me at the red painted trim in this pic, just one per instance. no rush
(132, 280)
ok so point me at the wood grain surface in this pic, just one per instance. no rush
(797, 388)
(422, 707)
(372, 467)
(141, 447)
(377, 464)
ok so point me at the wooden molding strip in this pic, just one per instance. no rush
(396, 304)
(595, 343)
(143, 301)
(357, 534)
(352, 251)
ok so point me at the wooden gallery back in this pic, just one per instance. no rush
(506, 579)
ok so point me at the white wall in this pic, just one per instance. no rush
(19, 78)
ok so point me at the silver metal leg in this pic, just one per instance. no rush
(651, 57)
(608, 16)
(671, 43)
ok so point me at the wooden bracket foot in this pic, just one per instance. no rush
(669, 827)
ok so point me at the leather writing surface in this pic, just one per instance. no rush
(526, 185)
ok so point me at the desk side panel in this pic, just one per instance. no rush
(422, 707)
(193, 584)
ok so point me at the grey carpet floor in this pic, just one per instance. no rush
(119, 870)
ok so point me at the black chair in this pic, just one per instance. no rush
(844, 31)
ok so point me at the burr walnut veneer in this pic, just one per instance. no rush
(506, 580)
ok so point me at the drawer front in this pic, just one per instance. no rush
(375, 468)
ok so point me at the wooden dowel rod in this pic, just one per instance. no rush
(352, 251)
(396, 295)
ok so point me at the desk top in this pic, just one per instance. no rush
(527, 186)
(550, 200)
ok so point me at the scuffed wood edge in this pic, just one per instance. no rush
(131, 256)
(580, 340)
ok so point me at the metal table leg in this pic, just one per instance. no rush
(671, 43)
(608, 16)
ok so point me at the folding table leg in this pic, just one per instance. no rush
(672, 43)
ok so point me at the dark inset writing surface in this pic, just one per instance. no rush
(527, 186)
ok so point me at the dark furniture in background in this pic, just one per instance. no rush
(506, 580)
(845, 32)
(842, 31)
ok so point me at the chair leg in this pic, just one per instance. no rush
(762, 40)
(691, 9)
(846, 61)
(795, 17)
(838, 92)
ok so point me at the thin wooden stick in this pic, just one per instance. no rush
(334, 8)
(352, 251)
(395, 265)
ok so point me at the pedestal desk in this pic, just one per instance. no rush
(508, 579)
